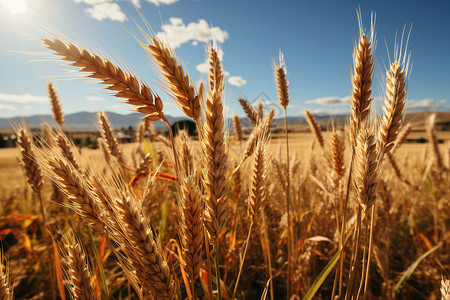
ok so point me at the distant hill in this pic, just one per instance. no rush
(87, 121)
(84, 121)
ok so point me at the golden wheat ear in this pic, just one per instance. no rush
(123, 83)
(55, 102)
(337, 150)
(431, 131)
(28, 160)
(237, 128)
(260, 171)
(282, 83)
(251, 113)
(6, 289)
(394, 108)
(363, 61)
(366, 169)
(214, 152)
(315, 128)
(191, 226)
(81, 283)
(179, 84)
(445, 289)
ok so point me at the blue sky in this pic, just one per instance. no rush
(316, 38)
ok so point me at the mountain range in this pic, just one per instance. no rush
(88, 121)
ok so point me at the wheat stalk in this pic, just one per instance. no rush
(237, 128)
(259, 179)
(445, 289)
(314, 127)
(251, 113)
(402, 136)
(123, 83)
(364, 182)
(191, 227)
(259, 131)
(82, 200)
(142, 250)
(431, 130)
(185, 154)
(257, 194)
(260, 111)
(31, 167)
(66, 149)
(179, 83)
(282, 85)
(337, 149)
(6, 289)
(214, 154)
(80, 277)
(393, 111)
(361, 82)
(108, 135)
(55, 102)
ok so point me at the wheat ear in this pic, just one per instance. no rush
(258, 188)
(80, 276)
(251, 113)
(123, 83)
(191, 227)
(394, 107)
(402, 136)
(6, 289)
(185, 154)
(31, 167)
(314, 127)
(282, 85)
(78, 191)
(431, 130)
(55, 102)
(361, 83)
(214, 154)
(364, 182)
(237, 128)
(260, 110)
(108, 135)
(257, 194)
(179, 83)
(337, 149)
(66, 149)
(142, 250)
(445, 289)
(259, 131)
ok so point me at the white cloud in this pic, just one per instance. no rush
(137, 3)
(15, 7)
(107, 10)
(203, 67)
(179, 33)
(7, 107)
(95, 98)
(424, 104)
(158, 2)
(330, 101)
(237, 81)
(91, 2)
(23, 98)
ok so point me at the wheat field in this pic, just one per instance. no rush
(356, 212)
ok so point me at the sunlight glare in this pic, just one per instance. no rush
(15, 7)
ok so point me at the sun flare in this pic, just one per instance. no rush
(15, 7)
